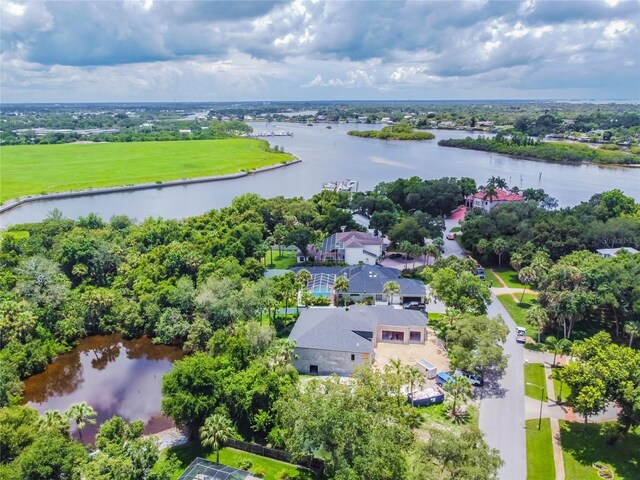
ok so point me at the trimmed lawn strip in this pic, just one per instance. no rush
(519, 310)
(582, 449)
(508, 276)
(534, 373)
(35, 169)
(232, 457)
(566, 391)
(540, 463)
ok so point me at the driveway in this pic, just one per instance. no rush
(502, 407)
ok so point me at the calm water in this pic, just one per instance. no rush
(114, 376)
(330, 154)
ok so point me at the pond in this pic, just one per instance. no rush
(331, 154)
(113, 375)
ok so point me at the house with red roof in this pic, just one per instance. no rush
(488, 202)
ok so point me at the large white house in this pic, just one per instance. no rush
(352, 248)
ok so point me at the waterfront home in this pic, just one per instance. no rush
(352, 248)
(366, 284)
(337, 340)
(488, 203)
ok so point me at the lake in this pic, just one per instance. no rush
(114, 376)
(331, 154)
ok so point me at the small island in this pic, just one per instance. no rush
(395, 132)
(522, 146)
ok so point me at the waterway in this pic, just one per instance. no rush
(114, 376)
(331, 154)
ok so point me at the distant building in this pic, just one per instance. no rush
(336, 340)
(362, 119)
(481, 200)
(612, 252)
(186, 131)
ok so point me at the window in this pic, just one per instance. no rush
(313, 369)
(415, 337)
(353, 357)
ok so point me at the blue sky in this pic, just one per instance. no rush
(149, 50)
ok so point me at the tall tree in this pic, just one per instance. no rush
(391, 288)
(81, 413)
(216, 430)
(499, 247)
(460, 390)
(341, 285)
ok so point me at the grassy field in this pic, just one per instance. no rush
(34, 169)
(566, 391)
(582, 449)
(229, 456)
(540, 464)
(519, 310)
(508, 276)
(534, 373)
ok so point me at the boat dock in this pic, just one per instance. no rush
(341, 186)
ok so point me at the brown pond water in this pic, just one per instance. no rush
(113, 375)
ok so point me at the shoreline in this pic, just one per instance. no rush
(11, 204)
(546, 160)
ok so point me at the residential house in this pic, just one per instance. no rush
(337, 340)
(366, 283)
(352, 248)
(481, 200)
(612, 252)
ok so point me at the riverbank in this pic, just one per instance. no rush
(547, 151)
(142, 186)
(396, 132)
(42, 169)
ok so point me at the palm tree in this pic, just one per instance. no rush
(490, 192)
(499, 246)
(459, 388)
(633, 330)
(415, 251)
(303, 277)
(405, 247)
(483, 246)
(391, 288)
(429, 251)
(526, 275)
(395, 367)
(341, 285)
(216, 430)
(517, 261)
(538, 317)
(82, 413)
(54, 420)
(415, 378)
(561, 346)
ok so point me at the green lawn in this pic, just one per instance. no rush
(540, 464)
(582, 449)
(281, 262)
(229, 456)
(455, 229)
(508, 276)
(565, 389)
(438, 414)
(534, 373)
(34, 169)
(519, 310)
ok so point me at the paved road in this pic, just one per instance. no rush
(451, 247)
(502, 406)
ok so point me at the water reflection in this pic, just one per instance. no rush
(128, 385)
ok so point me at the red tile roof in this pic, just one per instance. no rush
(501, 196)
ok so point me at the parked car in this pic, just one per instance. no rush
(521, 335)
(415, 306)
(475, 379)
(395, 255)
(451, 236)
(442, 378)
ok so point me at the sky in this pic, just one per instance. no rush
(209, 51)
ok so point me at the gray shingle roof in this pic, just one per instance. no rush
(371, 279)
(346, 330)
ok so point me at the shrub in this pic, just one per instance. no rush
(245, 464)
(283, 475)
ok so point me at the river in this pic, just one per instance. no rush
(331, 154)
(114, 376)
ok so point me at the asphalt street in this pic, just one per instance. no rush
(502, 406)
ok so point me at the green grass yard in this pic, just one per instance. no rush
(519, 310)
(232, 457)
(582, 449)
(534, 373)
(508, 276)
(281, 262)
(540, 464)
(35, 169)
